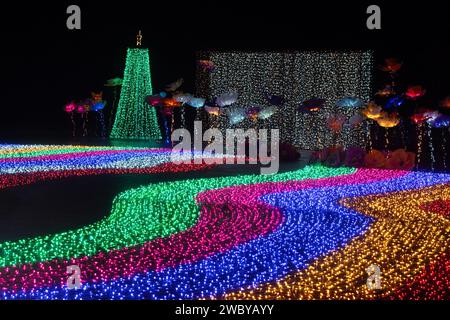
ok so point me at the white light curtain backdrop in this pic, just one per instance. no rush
(297, 76)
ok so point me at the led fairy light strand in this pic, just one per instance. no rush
(352, 77)
(440, 193)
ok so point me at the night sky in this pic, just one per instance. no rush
(45, 65)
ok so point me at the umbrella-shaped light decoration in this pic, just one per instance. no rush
(350, 102)
(196, 102)
(267, 112)
(372, 111)
(236, 115)
(227, 99)
(168, 106)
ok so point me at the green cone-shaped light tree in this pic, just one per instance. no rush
(135, 119)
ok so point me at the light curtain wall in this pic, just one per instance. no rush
(297, 76)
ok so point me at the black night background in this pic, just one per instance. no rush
(45, 65)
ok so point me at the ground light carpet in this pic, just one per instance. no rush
(305, 234)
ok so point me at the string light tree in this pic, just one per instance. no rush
(134, 118)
